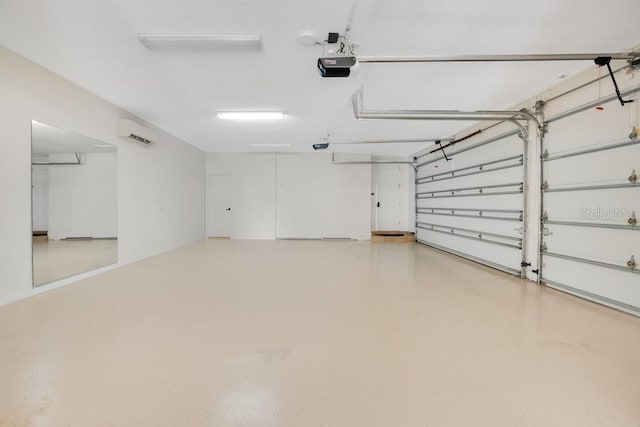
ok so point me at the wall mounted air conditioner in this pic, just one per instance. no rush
(135, 132)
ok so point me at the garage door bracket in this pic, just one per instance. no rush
(439, 144)
(606, 60)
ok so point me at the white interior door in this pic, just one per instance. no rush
(388, 182)
(219, 206)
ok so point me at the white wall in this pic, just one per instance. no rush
(317, 199)
(253, 187)
(160, 189)
(295, 195)
(83, 200)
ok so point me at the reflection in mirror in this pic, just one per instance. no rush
(74, 203)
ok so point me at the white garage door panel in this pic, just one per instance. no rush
(506, 201)
(508, 258)
(595, 168)
(619, 286)
(497, 177)
(601, 244)
(602, 207)
(591, 127)
(504, 148)
(507, 228)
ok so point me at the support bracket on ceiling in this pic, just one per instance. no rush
(491, 115)
(373, 162)
(632, 57)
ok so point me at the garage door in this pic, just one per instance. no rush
(591, 204)
(471, 203)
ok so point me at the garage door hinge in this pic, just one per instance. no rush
(633, 178)
(633, 220)
(545, 216)
(525, 264)
(545, 185)
(543, 247)
(544, 129)
(545, 154)
(632, 263)
(634, 134)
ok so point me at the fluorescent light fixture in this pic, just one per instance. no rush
(251, 115)
(201, 41)
(270, 145)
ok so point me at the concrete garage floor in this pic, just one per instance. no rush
(311, 333)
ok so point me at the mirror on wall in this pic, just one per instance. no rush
(74, 189)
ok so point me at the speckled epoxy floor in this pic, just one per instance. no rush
(308, 333)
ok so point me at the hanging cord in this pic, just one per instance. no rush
(606, 60)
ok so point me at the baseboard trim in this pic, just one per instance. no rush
(15, 297)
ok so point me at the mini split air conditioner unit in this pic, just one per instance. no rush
(135, 132)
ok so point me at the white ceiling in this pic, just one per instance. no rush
(94, 44)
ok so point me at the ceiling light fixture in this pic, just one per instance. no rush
(251, 115)
(201, 41)
(307, 38)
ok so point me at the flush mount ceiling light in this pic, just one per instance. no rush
(307, 38)
(251, 115)
(201, 41)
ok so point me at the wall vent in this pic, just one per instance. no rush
(136, 132)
